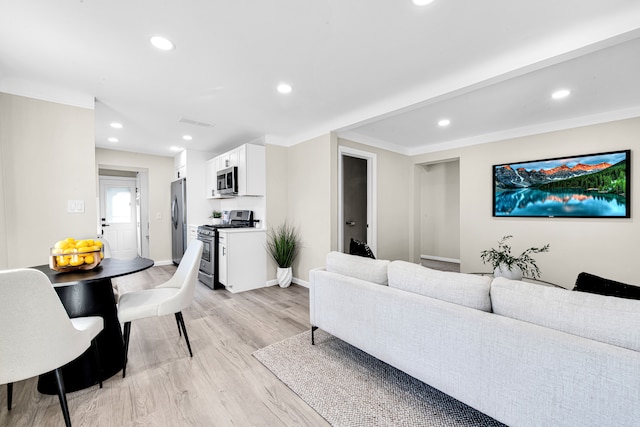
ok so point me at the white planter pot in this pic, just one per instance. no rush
(284, 276)
(502, 271)
(216, 221)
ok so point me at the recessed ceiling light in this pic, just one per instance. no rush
(174, 148)
(284, 88)
(162, 43)
(422, 2)
(562, 93)
(116, 125)
(444, 122)
(113, 139)
(187, 137)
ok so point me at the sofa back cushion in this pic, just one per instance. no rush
(371, 270)
(606, 319)
(469, 290)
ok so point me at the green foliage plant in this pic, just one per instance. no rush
(216, 214)
(283, 244)
(524, 261)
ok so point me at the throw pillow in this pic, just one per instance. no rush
(356, 247)
(587, 282)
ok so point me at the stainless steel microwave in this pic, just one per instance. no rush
(228, 181)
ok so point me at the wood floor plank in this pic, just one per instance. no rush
(222, 385)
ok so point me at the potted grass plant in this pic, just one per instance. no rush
(512, 267)
(283, 245)
(216, 217)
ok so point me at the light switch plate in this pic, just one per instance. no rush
(75, 206)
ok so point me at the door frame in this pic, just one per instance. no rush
(372, 191)
(142, 184)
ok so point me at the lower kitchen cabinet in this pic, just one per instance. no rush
(242, 259)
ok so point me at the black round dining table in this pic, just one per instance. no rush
(90, 293)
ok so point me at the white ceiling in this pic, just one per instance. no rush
(377, 71)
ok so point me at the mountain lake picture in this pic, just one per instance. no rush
(585, 186)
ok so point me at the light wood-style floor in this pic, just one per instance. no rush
(222, 385)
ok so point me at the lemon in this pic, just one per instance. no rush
(85, 249)
(70, 240)
(56, 251)
(68, 251)
(97, 243)
(88, 259)
(62, 261)
(82, 244)
(101, 255)
(60, 244)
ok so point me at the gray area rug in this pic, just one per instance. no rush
(351, 388)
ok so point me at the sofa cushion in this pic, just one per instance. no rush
(602, 318)
(597, 285)
(469, 290)
(371, 270)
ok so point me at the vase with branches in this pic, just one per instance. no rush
(503, 262)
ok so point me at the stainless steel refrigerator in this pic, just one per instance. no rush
(178, 219)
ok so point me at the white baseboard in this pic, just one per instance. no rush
(167, 262)
(294, 280)
(439, 258)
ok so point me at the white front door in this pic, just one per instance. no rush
(118, 215)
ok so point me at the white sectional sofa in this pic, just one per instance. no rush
(522, 353)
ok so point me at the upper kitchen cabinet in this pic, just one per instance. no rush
(211, 167)
(251, 170)
(180, 165)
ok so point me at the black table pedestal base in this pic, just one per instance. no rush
(93, 298)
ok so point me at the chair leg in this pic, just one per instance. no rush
(9, 395)
(178, 322)
(127, 331)
(184, 330)
(62, 397)
(96, 357)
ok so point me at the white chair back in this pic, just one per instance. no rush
(36, 334)
(185, 278)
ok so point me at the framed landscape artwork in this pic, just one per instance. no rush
(584, 186)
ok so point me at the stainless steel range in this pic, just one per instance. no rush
(208, 234)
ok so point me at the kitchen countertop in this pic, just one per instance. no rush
(241, 230)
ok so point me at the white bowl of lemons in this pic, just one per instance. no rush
(71, 254)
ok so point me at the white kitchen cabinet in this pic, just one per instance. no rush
(251, 170)
(250, 160)
(223, 259)
(242, 259)
(210, 178)
(180, 165)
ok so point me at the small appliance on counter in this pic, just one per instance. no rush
(208, 234)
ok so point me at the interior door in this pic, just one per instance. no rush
(354, 191)
(118, 215)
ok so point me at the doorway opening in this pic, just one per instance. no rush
(356, 198)
(123, 212)
(440, 215)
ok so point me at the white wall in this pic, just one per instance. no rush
(440, 210)
(160, 170)
(311, 204)
(606, 247)
(46, 158)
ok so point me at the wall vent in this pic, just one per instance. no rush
(195, 122)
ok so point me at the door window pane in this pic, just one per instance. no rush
(118, 205)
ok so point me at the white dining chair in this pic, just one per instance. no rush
(170, 297)
(37, 335)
